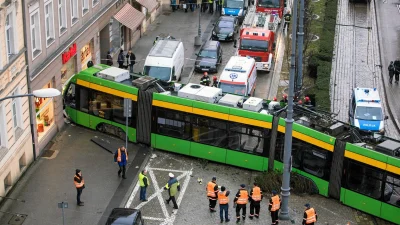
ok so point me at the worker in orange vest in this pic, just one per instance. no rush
(274, 206)
(241, 199)
(223, 201)
(310, 215)
(212, 193)
(255, 200)
(80, 185)
(121, 156)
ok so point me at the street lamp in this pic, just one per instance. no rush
(41, 93)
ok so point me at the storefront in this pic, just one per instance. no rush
(69, 62)
(86, 54)
(44, 114)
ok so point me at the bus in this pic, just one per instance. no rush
(246, 136)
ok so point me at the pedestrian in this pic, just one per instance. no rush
(130, 58)
(173, 5)
(255, 201)
(121, 59)
(287, 17)
(121, 156)
(185, 5)
(80, 185)
(212, 193)
(274, 206)
(211, 5)
(223, 201)
(241, 199)
(144, 183)
(109, 59)
(173, 187)
(307, 102)
(284, 99)
(198, 4)
(215, 81)
(310, 215)
(396, 65)
(192, 4)
(204, 5)
(205, 80)
(391, 71)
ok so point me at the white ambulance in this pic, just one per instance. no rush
(239, 76)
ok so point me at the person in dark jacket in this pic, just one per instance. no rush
(215, 82)
(173, 187)
(396, 65)
(204, 5)
(205, 80)
(121, 59)
(80, 185)
(391, 71)
(109, 59)
(144, 183)
(130, 57)
(122, 159)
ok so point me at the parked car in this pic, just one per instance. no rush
(209, 57)
(125, 216)
(225, 29)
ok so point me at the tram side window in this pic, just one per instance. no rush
(102, 104)
(209, 131)
(118, 111)
(245, 138)
(84, 99)
(70, 97)
(173, 124)
(392, 190)
(364, 179)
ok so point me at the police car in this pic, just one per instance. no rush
(366, 110)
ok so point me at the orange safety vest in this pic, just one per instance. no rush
(78, 185)
(310, 216)
(222, 198)
(276, 203)
(243, 198)
(119, 155)
(256, 194)
(210, 189)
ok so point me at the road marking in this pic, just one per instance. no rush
(153, 218)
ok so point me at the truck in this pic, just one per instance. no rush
(235, 8)
(257, 37)
(239, 76)
(271, 6)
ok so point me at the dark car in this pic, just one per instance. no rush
(225, 29)
(209, 57)
(125, 216)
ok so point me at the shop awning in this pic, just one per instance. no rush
(129, 17)
(149, 4)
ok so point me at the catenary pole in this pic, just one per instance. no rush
(197, 39)
(284, 212)
(300, 42)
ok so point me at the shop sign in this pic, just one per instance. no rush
(70, 53)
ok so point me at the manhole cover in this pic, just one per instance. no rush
(48, 153)
(17, 219)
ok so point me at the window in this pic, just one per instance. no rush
(70, 97)
(2, 128)
(173, 124)
(7, 182)
(85, 7)
(61, 16)
(74, 11)
(122, 32)
(94, 3)
(210, 131)
(22, 162)
(392, 190)
(245, 138)
(49, 22)
(35, 34)
(16, 111)
(84, 99)
(363, 179)
(10, 35)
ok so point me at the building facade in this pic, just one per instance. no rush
(16, 150)
(64, 35)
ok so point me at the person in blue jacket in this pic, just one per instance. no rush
(122, 159)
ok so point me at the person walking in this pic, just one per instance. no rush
(130, 58)
(274, 206)
(310, 215)
(122, 159)
(241, 199)
(204, 5)
(211, 5)
(121, 59)
(223, 201)
(396, 65)
(80, 185)
(109, 59)
(173, 187)
(144, 183)
(255, 201)
(192, 4)
(205, 80)
(391, 71)
(212, 193)
(287, 18)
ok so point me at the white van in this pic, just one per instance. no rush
(165, 60)
(239, 76)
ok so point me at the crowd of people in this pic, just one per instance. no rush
(192, 4)
(394, 70)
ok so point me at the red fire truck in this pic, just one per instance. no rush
(271, 6)
(257, 37)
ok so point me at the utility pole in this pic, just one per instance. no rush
(300, 41)
(284, 212)
(197, 39)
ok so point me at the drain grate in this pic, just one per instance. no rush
(17, 219)
(48, 153)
